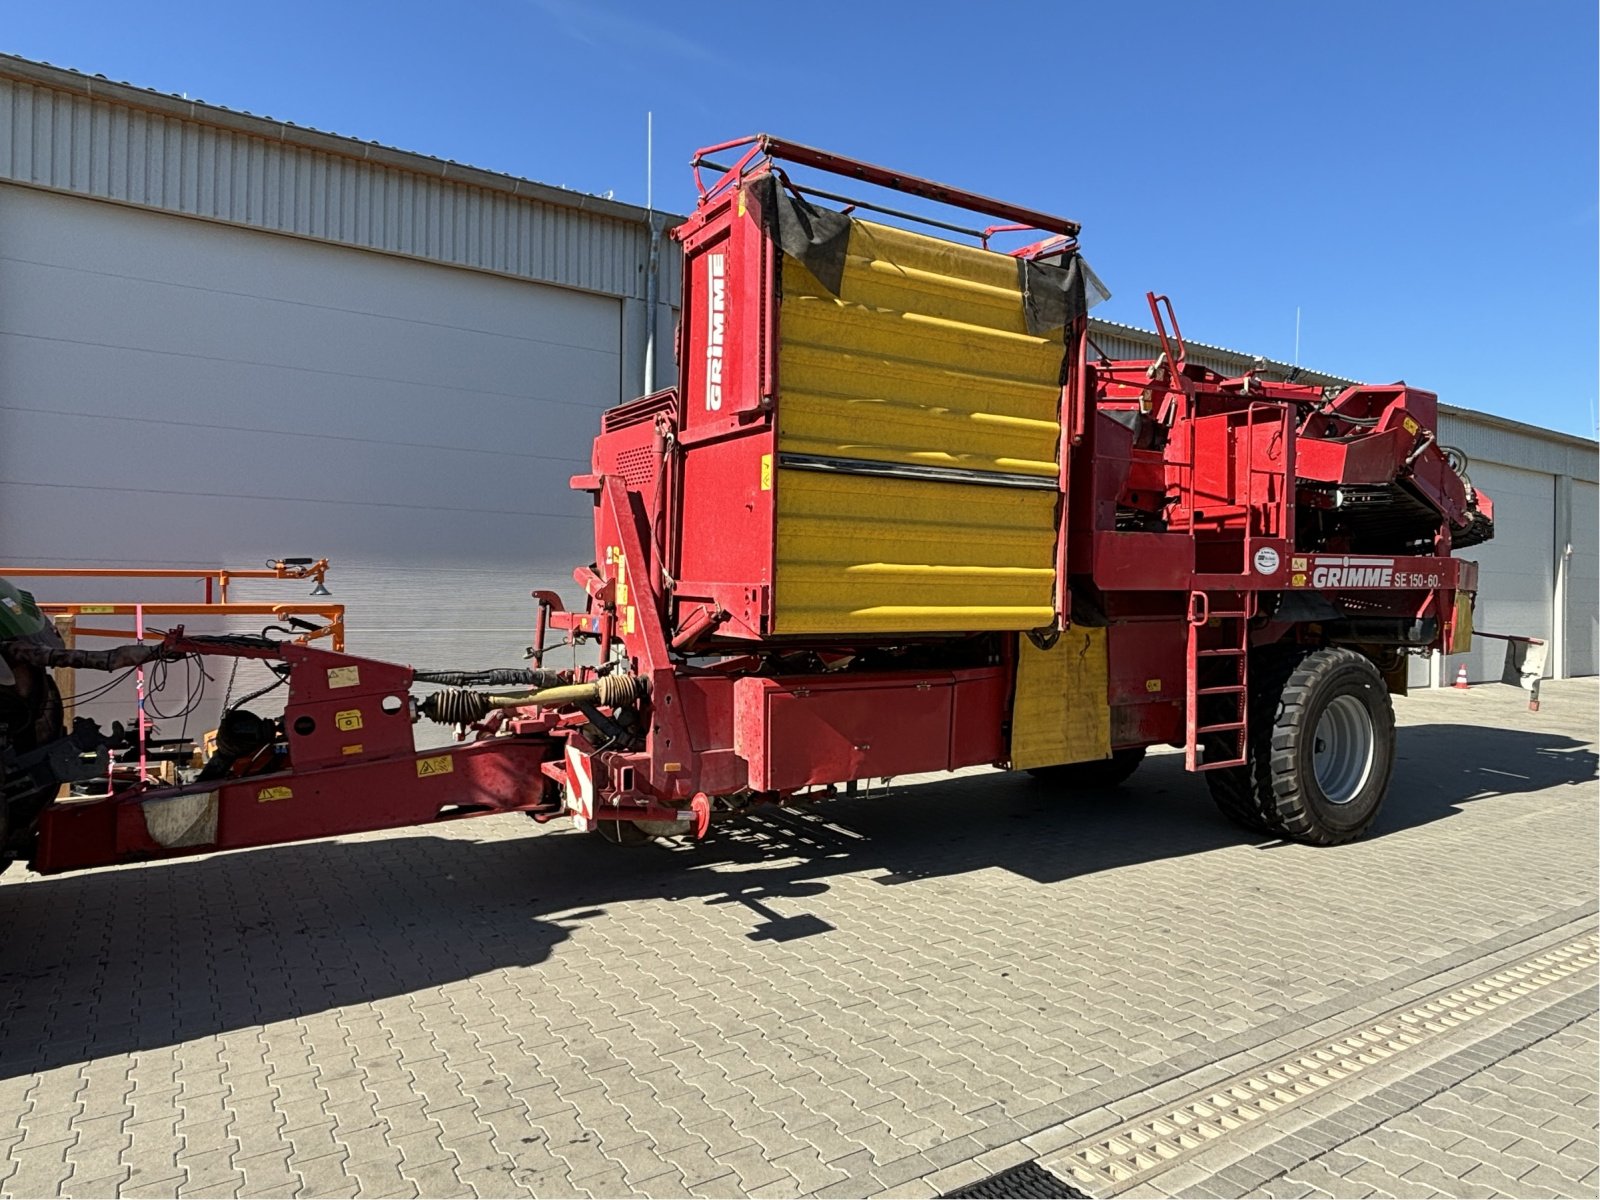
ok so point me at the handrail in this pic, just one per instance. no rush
(215, 603)
(764, 144)
(278, 568)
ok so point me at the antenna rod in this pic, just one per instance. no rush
(652, 284)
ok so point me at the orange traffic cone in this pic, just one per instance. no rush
(1461, 677)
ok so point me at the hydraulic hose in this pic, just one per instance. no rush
(458, 706)
(117, 658)
(493, 677)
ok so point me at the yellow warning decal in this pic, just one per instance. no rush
(97, 608)
(1298, 579)
(1152, 685)
(1409, 424)
(342, 677)
(628, 619)
(1297, 564)
(439, 764)
(274, 793)
(347, 720)
(352, 748)
(766, 472)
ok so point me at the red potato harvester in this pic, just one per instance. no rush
(898, 515)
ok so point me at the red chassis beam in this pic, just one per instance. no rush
(475, 779)
(352, 767)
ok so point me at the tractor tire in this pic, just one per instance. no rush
(1322, 745)
(1098, 775)
(38, 721)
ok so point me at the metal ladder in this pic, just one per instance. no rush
(1228, 644)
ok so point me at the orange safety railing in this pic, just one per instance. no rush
(214, 604)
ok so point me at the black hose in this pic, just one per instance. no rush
(493, 677)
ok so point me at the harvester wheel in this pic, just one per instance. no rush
(1322, 751)
(1090, 776)
(1234, 789)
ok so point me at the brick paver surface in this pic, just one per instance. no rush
(879, 994)
(1523, 1126)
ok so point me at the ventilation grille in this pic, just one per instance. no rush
(634, 411)
(637, 466)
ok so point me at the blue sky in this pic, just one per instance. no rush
(1420, 179)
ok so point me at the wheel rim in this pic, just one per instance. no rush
(1342, 750)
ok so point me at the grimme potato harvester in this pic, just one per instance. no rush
(898, 515)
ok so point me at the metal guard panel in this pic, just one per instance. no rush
(1061, 713)
(867, 554)
(922, 358)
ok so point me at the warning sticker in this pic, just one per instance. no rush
(342, 677)
(274, 793)
(347, 720)
(97, 608)
(439, 764)
(1152, 686)
(766, 472)
(352, 748)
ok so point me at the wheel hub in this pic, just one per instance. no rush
(1342, 749)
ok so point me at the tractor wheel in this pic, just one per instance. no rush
(37, 721)
(1321, 748)
(1092, 776)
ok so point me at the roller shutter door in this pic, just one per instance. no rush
(177, 392)
(1516, 571)
(1583, 581)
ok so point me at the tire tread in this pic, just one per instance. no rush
(1268, 794)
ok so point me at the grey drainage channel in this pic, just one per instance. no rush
(1022, 1182)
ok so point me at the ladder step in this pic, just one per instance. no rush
(1217, 766)
(1222, 691)
(1231, 725)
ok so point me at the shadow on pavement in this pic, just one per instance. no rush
(110, 962)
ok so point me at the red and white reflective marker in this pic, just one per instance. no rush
(700, 806)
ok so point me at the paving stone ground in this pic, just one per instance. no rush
(888, 994)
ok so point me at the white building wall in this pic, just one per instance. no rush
(180, 393)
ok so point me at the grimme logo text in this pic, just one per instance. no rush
(717, 288)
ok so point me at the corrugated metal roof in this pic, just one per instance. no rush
(98, 87)
(69, 132)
